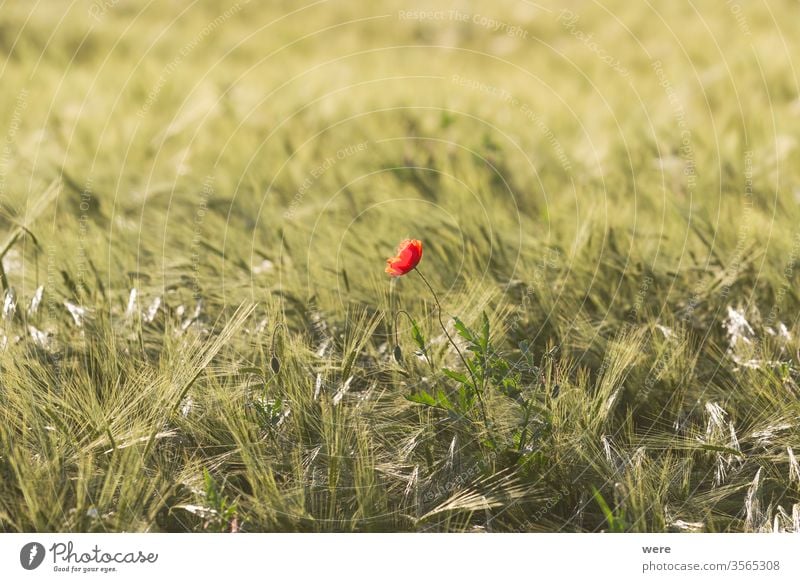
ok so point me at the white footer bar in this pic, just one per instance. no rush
(406, 557)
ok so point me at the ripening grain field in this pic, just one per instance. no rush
(197, 201)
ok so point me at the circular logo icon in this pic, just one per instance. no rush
(31, 555)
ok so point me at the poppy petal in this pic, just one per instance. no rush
(409, 253)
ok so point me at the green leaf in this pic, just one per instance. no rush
(457, 376)
(422, 397)
(419, 339)
(443, 400)
(466, 398)
(510, 387)
(609, 515)
(615, 524)
(464, 331)
(485, 332)
(212, 494)
(439, 401)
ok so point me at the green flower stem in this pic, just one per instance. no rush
(458, 351)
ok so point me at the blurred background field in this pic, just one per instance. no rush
(197, 200)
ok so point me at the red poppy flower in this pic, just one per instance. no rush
(409, 252)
